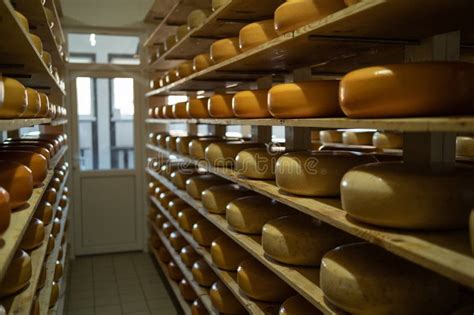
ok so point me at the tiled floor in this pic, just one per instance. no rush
(117, 284)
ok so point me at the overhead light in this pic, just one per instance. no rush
(92, 40)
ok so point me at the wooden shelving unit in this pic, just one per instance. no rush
(15, 124)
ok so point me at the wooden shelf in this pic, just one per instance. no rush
(58, 122)
(14, 124)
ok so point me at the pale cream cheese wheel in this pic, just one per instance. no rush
(227, 254)
(187, 290)
(257, 33)
(305, 99)
(354, 137)
(177, 240)
(298, 305)
(224, 49)
(34, 235)
(251, 104)
(249, 214)
(174, 272)
(362, 278)
(259, 283)
(216, 198)
(387, 140)
(189, 256)
(301, 240)
(316, 173)
(197, 147)
(195, 185)
(197, 108)
(197, 17)
(224, 300)
(257, 163)
(164, 255)
(203, 273)
(465, 146)
(204, 232)
(187, 218)
(175, 206)
(223, 154)
(18, 274)
(180, 177)
(201, 62)
(220, 106)
(396, 195)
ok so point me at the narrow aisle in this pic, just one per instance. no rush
(115, 284)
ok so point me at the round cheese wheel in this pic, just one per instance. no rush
(182, 31)
(187, 218)
(403, 90)
(251, 104)
(216, 198)
(55, 183)
(14, 98)
(227, 254)
(224, 301)
(387, 140)
(5, 210)
(37, 43)
(189, 256)
(44, 105)
(352, 137)
(471, 229)
(300, 240)
(18, 146)
(155, 240)
(204, 232)
(53, 299)
(388, 194)
(362, 278)
(224, 49)
(185, 69)
(170, 42)
(34, 103)
(17, 180)
(201, 62)
(171, 143)
(249, 214)
(187, 290)
(170, 167)
(152, 186)
(223, 154)
(257, 33)
(164, 255)
(174, 272)
(166, 197)
(66, 191)
(220, 106)
(159, 220)
(168, 111)
(47, 60)
(64, 238)
(23, 21)
(179, 110)
(298, 305)
(50, 245)
(32, 142)
(305, 99)
(50, 195)
(177, 240)
(63, 201)
(42, 277)
(175, 206)
(195, 185)
(59, 212)
(59, 174)
(197, 108)
(316, 173)
(34, 235)
(259, 283)
(56, 227)
(197, 17)
(198, 146)
(182, 144)
(203, 273)
(465, 146)
(58, 271)
(18, 274)
(161, 139)
(44, 212)
(167, 228)
(198, 309)
(257, 163)
(296, 13)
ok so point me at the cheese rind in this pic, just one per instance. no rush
(34, 235)
(223, 154)
(187, 290)
(15, 98)
(18, 274)
(220, 106)
(198, 146)
(203, 274)
(187, 218)
(17, 180)
(189, 256)
(298, 305)
(224, 49)
(227, 254)
(182, 144)
(201, 62)
(23, 21)
(197, 108)
(197, 17)
(37, 43)
(34, 103)
(257, 163)
(387, 140)
(179, 110)
(251, 104)
(204, 232)
(224, 301)
(216, 198)
(257, 33)
(197, 184)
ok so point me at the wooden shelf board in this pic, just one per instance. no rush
(58, 122)
(14, 124)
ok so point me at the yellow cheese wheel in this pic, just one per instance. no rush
(170, 77)
(164, 255)
(195, 185)
(44, 105)
(159, 220)
(182, 31)
(174, 272)
(34, 103)
(216, 198)
(316, 173)
(171, 143)
(255, 34)
(185, 69)
(187, 290)
(223, 154)
(37, 43)
(153, 185)
(166, 197)
(189, 256)
(5, 210)
(198, 146)
(413, 89)
(170, 42)
(171, 166)
(182, 144)
(15, 98)
(224, 301)
(175, 206)
(177, 240)
(18, 274)
(55, 183)
(197, 108)
(257, 163)
(305, 99)
(203, 273)
(34, 235)
(59, 212)
(47, 59)
(53, 299)
(227, 254)
(58, 271)
(17, 180)
(42, 277)
(296, 13)
(216, 4)
(259, 283)
(155, 240)
(387, 140)
(298, 305)
(179, 110)
(300, 240)
(224, 49)
(167, 228)
(251, 104)
(465, 146)
(198, 309)
(249, 214)
(56, 227)
(201, 62)
(204, 232)
(50, 245)
(23, 21)
(389, 194)
(471, 229)
(187, 218)
(362, 278)
(220, 106)
(161, 139)
(197, 17)
(351, 137)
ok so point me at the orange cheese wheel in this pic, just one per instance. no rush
(34, 103)
(204, 232)
(164, 255)
(412, 89)
(227, 254)
(177, 240)
(216, 198)
(187, 291)
(179, 110)
(166, 197)
(185, 69)
(197, 108)
(220, 106)
(305, 99)
(175, 206)
(257, 163)
(32, 142)
(50, 195)
(18, 274)
(171, 143)
(203, 273)
(50, 245)
(18, 146)
(174, 272)
(168, 111)
(167, 228)
(198, 146)
(44, 108)
(223, 154)
(56, 227)
(159, 220)
(387, 140)
(182, 144)
(17, 180)
(182, 31)
(161, 139)
(224, 301)
(189, 256)
(352, 137)
(5, 210)
(14, 98)
(55, 183)
(251, 104)
(53, 299)
(298, 305)
(197, 308)
(58, 271)
(63, 201)
(187, 218)
(59, 174)
(197, 184)
(257, 33)
(224, 49)
(201, 62)
(34, 235)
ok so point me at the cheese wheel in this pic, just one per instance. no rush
(471, 229)
(305, 99)
(203, 273)
(155, 240)
(64, 201)
(362, 278)
(50, 245)
(249, 214)
(152, 187)
(300, 240)
(223, 154)
(259, 283)
(204, 232)
(175, 206)
(187, 291)
(179, 110)
(216, 198)
(185, 69)
(44, 108)
(201, 62)
(195, 185)
(56, 227)
(47, 60)
(18, 146)
(189, 256)
(170, 77)
(171, 143)
(58, 271)
(53, 299)
(198, 146)
(55, 183)
(170, 42)
(227, 254)
(351, 137)
(42, 277)
(17, 180)
(171, 166)
(197, 108)
(37, 43)
(59, 174)
(164, 255)
(167, 228)
(293, 14)
(59, 212)
(182, 31)
(298, 305)
(64, 238)
(182, 144)
(388, 194)
(177, 240)
(15, 98)
(255, 34)
(5, 210)
(159, 220)
(44, 212)
(197, 17)
(66, 191)
(161, 139)
(224, 301)
(34, 235)
(465, 146)
(224, 49)
(187, 218)
(251, 104)
(32, 142)
(166, 197)
(220, 106)
(174, 272)
(413, 89)
(316, 173)
(23, 21)
(257, 163)
(387, 140)
(34, 103)
(37, 163)
(18, 274)
(198, 309)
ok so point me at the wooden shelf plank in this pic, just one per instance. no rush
(14, 124)
(58, 122)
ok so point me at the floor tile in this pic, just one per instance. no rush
(134, 307)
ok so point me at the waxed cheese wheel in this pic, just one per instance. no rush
(187, 291)
(189, 256)
(164, 255)
(305, 99)
(249, 214)
(197, 17)
(296, 13)
(34, 235)
(185, 69)
(251, 104)
(465, 146)
(203, 273)
(197, 108)
(197, 147)
(23, 21)
(18, 146)
(58, 271)
(201, 62)
(166, 197)
(44, 212)
(17, 275)
(227, 254)
(412, 89)
(17, 180)
(168, 110)
(5, 210)
(179, 110)
(174, 272)
(224, 49)
(37, 43)
(389, 194)
(224, 300)
(352, 137)
(167, 228)
(196, 184)
(182, 144)
(53, 299)
(255, 34)
(363, 278)
(298, 305)
(159, 220)
(161, 139)
(171, 143)
(177, 240)
(259, 283)
(257, 163)
(170, 42)
(216, 198)
(387, 140)
(223, 154)
(300, 240)
(187, 218)
(316, 173)
(34, 103)
(14, 98)
(175, 206)
(155, 240)
(56, 227)
(63, 201)
(197, 308)
(204, 232)
(220, 106)
(182, 31)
